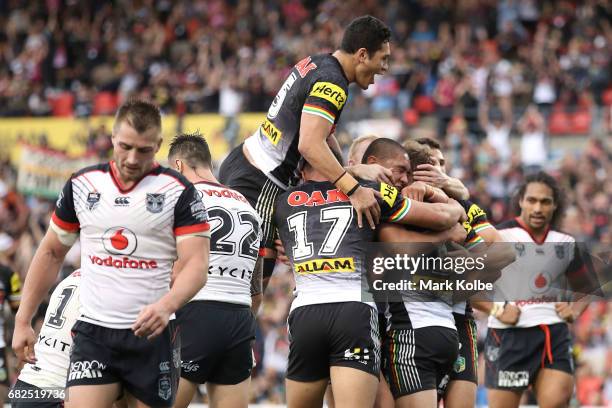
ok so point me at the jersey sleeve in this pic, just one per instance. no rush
(393, 206)
(580, 273)
(477, 217)
(15, 285)
(326, 98)
(64, 216)
(190, 215)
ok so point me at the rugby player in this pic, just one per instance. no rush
(217, 326)
(301, 122)
(459, 386)
(10, 293)
(332, 333)
(52, 348)
(537, 349)
(134, 219)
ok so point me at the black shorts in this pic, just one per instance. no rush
(4, 378)
(332, 334)
(418, 359)
(216, 342)
(147, 369)
(514, 357)
(21, 391)
(236, 172)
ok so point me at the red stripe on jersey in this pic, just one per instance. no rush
(191, 229)
(66, 226)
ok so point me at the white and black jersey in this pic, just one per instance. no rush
(52, 348)
(234, 244)
(128, 237)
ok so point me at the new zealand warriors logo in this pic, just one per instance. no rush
(155, 202)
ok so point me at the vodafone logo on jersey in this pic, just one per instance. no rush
(540, 283)
(119, 241)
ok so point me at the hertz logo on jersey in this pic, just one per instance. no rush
(330, 92)
(474, 212)
(325, 266)
(271, 132)
(389, 193)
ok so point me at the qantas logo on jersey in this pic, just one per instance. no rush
(119, 241)
(271, 132)
(298, 198)
(325, 266)
(330, 92)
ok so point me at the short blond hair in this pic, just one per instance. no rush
(360, 140)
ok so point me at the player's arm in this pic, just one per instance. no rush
(40, 277)
(193, 252)
(434, 216)
(256, 286)
(42, 273)
(420, 241)
(318, 116)
(507, 313)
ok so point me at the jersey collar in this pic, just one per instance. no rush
(524, 226)
(115, 177)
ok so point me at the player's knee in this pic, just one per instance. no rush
(554, 397)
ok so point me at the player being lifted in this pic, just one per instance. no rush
(332, 332)
(134, 219)
(217, 326)
(301, 122)
(536, 350)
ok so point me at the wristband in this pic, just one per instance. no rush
(345, 183)
(497, 310)
(352, 190)
(339, 177)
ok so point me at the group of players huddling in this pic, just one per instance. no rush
(174, 262)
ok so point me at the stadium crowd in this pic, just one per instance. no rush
(231, 56)
(483, 69)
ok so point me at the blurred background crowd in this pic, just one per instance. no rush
(507, 86)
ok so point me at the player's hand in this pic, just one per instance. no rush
(23, 342)
(463, 217)
(416, 191)
(511, 314)
(151, 321)
(457, 234)
(365, 204)
(564, 310)
(373, 172)
(280, 252)
(430, 174)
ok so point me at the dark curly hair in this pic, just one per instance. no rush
(558, 195)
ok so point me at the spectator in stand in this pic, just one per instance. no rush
(534, 150)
